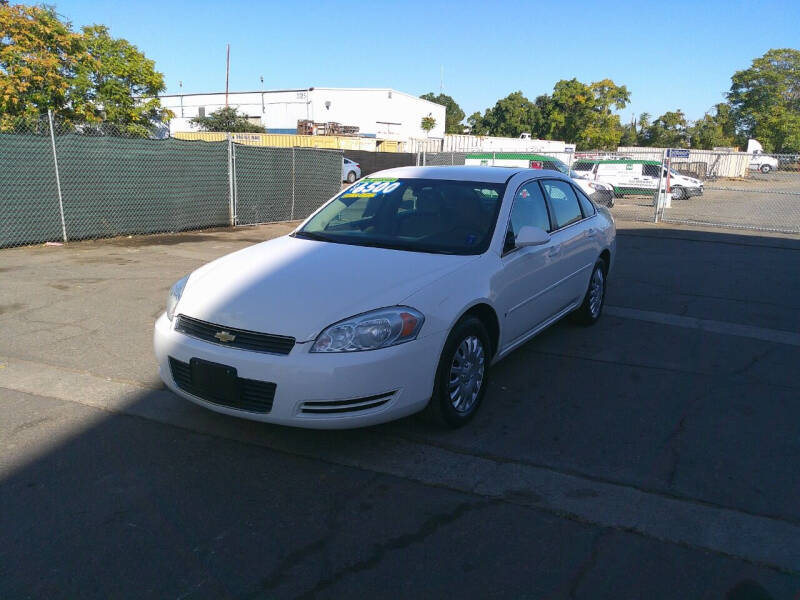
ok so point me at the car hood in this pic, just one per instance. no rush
(296, 287)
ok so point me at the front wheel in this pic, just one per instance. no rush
(765, 169)
(678, 193)
(589, 312)
(462, 374)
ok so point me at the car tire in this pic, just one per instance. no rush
(351, 176)
(591, 309)
(765, 169)
(610, 202)
(678, 193)
(463, 370)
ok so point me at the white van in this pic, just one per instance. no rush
(600, 193)
(638, 177)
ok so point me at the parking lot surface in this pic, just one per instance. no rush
(768, 202)
(651, 456)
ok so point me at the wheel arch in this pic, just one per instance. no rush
(488, 316)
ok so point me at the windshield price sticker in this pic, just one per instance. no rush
(369, 188)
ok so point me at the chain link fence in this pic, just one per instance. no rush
(62, 183)
(737, 190)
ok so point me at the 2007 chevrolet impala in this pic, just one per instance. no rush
(395, 296)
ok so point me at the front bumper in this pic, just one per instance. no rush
(603, 197)
(405, 373)
(694, 191)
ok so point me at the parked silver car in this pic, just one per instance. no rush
(351, 170)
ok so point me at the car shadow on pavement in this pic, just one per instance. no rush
(143, 494)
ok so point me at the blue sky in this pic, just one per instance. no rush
(669, 54)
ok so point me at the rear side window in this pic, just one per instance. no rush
(586, 205)
(583, 166)
(563, 202)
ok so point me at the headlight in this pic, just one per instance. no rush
(597, 186)
(175, 293)
(370, 331)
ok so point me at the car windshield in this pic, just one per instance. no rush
(575, 175)
(418, 215)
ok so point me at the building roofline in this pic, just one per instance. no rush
(305, 89)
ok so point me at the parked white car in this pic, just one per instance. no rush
(351, 170)
(396, 296)
(758, 160)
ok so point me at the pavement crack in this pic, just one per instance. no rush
(589, 563)
(428, 527)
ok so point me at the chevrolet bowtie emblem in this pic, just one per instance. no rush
(224, 336)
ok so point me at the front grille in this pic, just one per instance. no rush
(243, 339)
(253, 395)
(345, 406)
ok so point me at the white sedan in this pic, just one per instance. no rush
(396, 296)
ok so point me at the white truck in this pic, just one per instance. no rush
(758, 160)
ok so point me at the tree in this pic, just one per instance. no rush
(427, 124)
(227, 119)
(509, 117)
(38, 55)
(116, 83)
(667, 131)
(84, 78)
(582, 114)
(713, 130)
(765, 101)
(453, 115)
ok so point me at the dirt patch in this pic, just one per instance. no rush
(9, 308)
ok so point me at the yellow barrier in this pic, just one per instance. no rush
(287, 140)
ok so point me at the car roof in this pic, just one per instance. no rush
(463, 173)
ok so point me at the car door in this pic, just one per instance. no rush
(573, 242)
(528, 276)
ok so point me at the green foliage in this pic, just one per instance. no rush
(670, 130)
(713, 130)
(765, 101)
(85, 78)
(453, 115)
(229, 120)
(428, 123)
(509, 117)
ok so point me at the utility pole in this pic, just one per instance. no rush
(227, 73)
(263, 109)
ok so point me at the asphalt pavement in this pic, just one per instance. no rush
(651, 456)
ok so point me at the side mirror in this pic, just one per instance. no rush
(531, 236)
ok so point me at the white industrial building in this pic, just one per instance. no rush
(378, 112)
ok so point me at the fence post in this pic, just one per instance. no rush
(231, 208)
(657, 198)
(291, 217)
(58, 177)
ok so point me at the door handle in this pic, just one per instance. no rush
(554, 251)
(591, 232)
